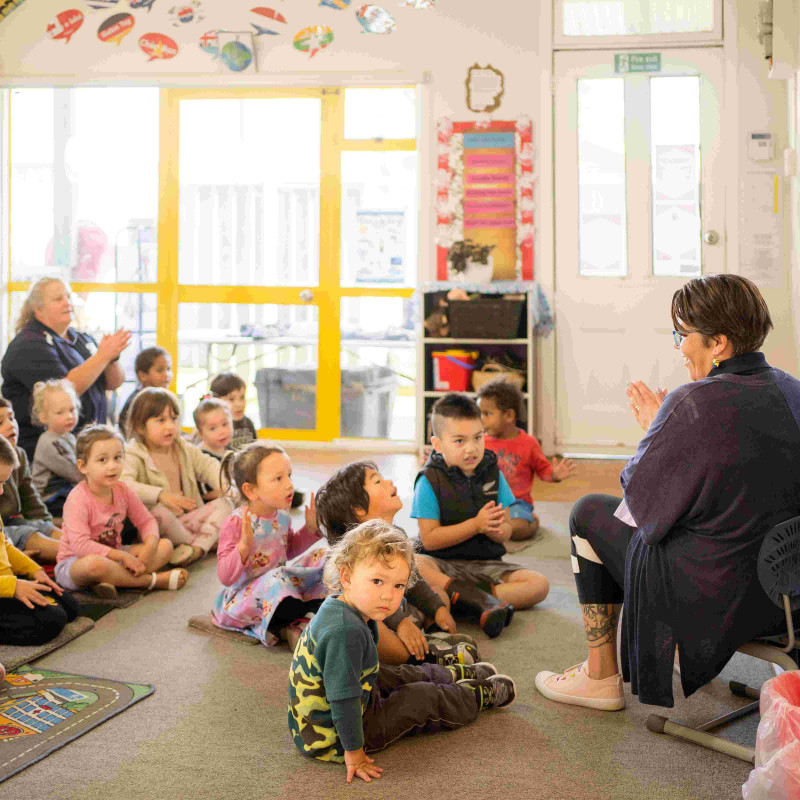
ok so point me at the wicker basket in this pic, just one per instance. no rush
(485, 318)
(491, 372)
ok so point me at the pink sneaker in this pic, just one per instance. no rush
(2, 673)
(576, 688)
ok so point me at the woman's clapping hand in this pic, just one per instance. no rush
(644, 402)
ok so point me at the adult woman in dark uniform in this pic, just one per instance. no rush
(47, 347)
(716, 469)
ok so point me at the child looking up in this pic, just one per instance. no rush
(262, 595)
(214, 424)
(91, 551)
(55, 472)
(519, 454)
(461, 500)
(228, 386)
(153, 367)
(341, 704)
(28, 524)
(33, 608)
(164, 470)
(356, 493)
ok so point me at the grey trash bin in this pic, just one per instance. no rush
(287, 399)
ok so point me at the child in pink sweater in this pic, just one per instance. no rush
(519, 454)
(90, 552)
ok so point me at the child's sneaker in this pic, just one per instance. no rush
(574, 687)
(441, 653)
(494, 692)
(479, 672)
(451, 639)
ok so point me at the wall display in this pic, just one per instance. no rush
(267, 13)
(186, 13)
(418, 3)
(64, 25)
(148, 4)
(236, 52)
(760, 231)
(485, 87)
(380, 246)
(484, 189)
(101, 5)
(338, 4)
(209, 43)
(312, 40)
(158, 46)
(115, 28)
(375, 19)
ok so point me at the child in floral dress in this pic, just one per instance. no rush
(271, 575)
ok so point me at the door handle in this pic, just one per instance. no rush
(306, 295)
(711, 237)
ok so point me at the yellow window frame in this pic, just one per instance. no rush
(329, 291)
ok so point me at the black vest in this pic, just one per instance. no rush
(461, 498)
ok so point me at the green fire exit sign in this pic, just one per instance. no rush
(637, 62)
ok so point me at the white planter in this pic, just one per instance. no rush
(475, 272)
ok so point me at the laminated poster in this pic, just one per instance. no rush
(64, 25)
(312, 40)
(375, 19)
(115, 28)
(268, 14)
(484, 192)
(236, 53)
(158, 46)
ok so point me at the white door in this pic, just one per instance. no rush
(639, 208)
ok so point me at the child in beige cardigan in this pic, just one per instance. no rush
(164, 471)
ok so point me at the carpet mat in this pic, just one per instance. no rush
(11, 656)
(41, 711)
(205, 625)
(95, 607)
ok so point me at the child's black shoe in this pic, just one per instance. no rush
(494, 692)
(480, 671)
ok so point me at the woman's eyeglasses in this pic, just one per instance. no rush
(678, 337)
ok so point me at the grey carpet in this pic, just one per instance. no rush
(219, 727)
(11, 656)
(204, 624)
(124, 598)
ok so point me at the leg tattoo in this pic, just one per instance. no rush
(600, 621)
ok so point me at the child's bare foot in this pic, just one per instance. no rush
(185, 554)
(172, 579)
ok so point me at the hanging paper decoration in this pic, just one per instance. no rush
(375, 19)
(148, 4)
(7, 6)
(312, 40)
(484, 192)
(64, 25)
(186, 13)
(236, 51)
(209, 43)
(338, 4)
(418, 3)
(115, 28)
(158, 46)
(269, 13)
(485, 88)
(101, 5)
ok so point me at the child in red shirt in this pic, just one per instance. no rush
(519, 454)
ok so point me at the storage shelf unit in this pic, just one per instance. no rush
(523, 347)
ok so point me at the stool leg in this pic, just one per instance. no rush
(659, 724)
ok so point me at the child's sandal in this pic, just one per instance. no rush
(174, 579)
(182, 555)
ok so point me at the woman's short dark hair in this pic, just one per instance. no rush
(504, 394)
(727, 305)
(339, 496)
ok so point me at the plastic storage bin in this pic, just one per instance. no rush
(452, 369)
(287, 398)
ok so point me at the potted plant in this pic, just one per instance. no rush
(471, 262)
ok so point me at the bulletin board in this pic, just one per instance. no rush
(485, 193)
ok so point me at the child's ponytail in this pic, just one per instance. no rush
(226, 472)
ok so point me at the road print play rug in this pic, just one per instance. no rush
(41, 711)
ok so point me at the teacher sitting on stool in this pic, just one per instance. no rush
(716, 469)
(47, 347)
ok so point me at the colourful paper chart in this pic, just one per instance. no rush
(485, 193)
